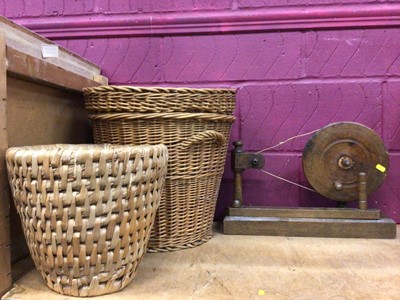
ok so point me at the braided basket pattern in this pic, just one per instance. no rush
(197, 144)
(87, 211)
(151, 100)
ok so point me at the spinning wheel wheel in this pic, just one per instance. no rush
(337, 154)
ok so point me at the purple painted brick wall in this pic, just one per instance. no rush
(288, 82)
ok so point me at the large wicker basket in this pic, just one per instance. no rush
(197, 141)
(87, 211)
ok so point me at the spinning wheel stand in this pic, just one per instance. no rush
(344, 162)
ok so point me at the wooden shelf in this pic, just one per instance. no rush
(41, 103)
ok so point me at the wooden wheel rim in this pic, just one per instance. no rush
(337, 153)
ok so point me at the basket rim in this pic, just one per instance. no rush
(173, 116)
(82, 148)
(157, 89)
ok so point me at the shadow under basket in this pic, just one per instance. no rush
(87, 211)
(195, 126)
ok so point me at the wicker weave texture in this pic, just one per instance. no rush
(87, 211)
(146, 100)
(197, 143)
(197, 154)
(186, 213)
(197, 147)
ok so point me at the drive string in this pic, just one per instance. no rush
(279, 144)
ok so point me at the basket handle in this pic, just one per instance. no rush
(204, 136)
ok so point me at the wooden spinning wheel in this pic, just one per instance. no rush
(344, 162)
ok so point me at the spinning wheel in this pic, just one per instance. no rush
(344, 162)
(337, 154)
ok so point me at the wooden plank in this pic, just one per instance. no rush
(5, 264)
(18, 247)
(5, 232)
(101, 79)
(31, 68)
(5, 191)
(28, 42)
(38, 114)
(312, 212)
(384, 228)
(22, 267)
(3, 100)
(5, 273)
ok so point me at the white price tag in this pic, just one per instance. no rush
(49, 51)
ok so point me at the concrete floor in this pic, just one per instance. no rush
(255, 267)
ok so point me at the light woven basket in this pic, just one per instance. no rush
(87, 211)
(197, 144)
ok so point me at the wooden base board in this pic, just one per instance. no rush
(280, 223)
(309, 212)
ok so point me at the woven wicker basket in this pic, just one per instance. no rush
(197, 144)
(87, 211)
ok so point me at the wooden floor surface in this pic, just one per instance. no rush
(255, 267)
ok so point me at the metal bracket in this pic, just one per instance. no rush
(241, 161)
(245, 160)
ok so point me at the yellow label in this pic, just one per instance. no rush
(380, 168)
(261, 292)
